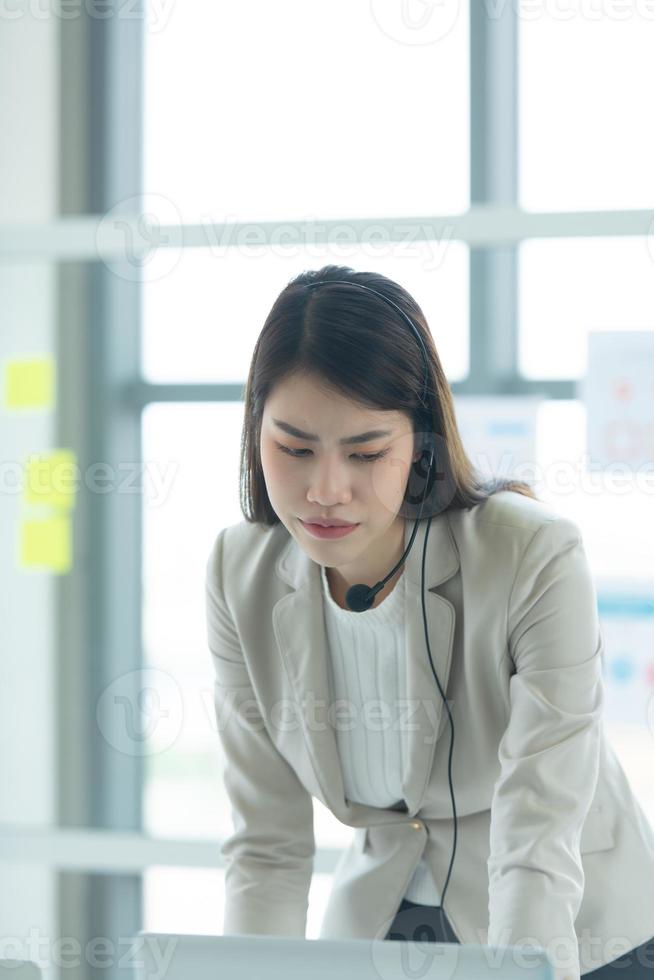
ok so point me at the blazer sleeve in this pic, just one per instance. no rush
(549, 752)
(269, 856)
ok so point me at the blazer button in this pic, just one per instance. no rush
(416, 824)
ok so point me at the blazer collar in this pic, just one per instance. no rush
(299, 628)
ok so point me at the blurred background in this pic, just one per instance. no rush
(165, 170)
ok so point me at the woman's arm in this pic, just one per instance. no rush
(549, 753)
(270, 854)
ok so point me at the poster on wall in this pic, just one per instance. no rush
(626, 611)
(618, 393)
(499, 433)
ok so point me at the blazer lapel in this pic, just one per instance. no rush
(298, 624)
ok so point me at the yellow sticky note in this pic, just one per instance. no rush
(47, 544)
(29, 383)
(51, 478)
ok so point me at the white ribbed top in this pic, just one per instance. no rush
(367, 676)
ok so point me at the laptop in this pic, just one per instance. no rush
(19, 970)
(168, 956)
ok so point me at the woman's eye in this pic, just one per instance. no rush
(361, 457)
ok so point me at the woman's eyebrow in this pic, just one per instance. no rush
(348, 441)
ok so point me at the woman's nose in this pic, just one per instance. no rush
(330, 482)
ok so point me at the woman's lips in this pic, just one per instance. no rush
(328, 532)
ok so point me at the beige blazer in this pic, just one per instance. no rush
(552, 846)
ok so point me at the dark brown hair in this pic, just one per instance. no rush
(357, 345)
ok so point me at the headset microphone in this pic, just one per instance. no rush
(361, 596)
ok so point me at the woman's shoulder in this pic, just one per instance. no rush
(246, 544)
(494, 537)
(518, 514)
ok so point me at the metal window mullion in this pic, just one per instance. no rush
(100, 601)
(493, 181)
(119, 853)
(92, 237)
(119, 788)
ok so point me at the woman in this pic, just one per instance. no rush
(522, 831)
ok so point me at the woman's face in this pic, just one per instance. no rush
(325, 478)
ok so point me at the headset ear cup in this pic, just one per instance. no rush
(419, 474)
(429, 488)
(429, 449)
(428, 458)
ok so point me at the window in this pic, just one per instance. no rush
(316, 125)
(585, 78)
(569, 287)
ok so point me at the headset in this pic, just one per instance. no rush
(360, 597)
